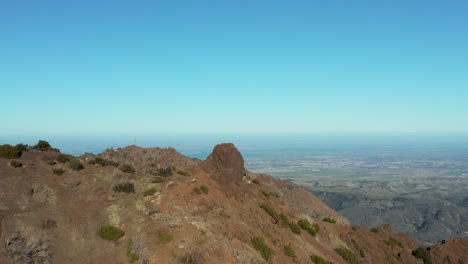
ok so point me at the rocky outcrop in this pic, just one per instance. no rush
(225, 164)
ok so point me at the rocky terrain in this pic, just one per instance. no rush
(154, 205)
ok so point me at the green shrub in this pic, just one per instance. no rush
(158, 180)
(347, 255)
(149, 192)
(423, 254)
(275, 194)
(319, 260)
(197, 190)
(126, 187)
(257, 181)
(259, 244)
(110, 232)
(51, 162)
(294, 228)
(267, 194)
(131, 254)
(76, 165)
(204, 189)
(284, 221)
(183, 173)
(9, 152)
(21, 147)
(16, 164)
(201, 189)
(374, 230)
(127, 168)
(270, 211)
(288, 251)
(58, 171)
(62, 158)
(100, 161)
(393, 242)
(104, 162)
(329, 220)
(165, 237)
(311, 229)
(304, 224)
(163, 172)
(42, 145)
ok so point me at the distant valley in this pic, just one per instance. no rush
(422, 192)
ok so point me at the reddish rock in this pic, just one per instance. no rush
(225, 164)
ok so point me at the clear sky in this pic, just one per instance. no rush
(141, 67)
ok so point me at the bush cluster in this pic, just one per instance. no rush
(22, 147)
(288, 251)
(10, 152)
(285, 223)
(165, 237)
(76, 165)
(319, 260)
(423, 254)
(259, 244)
(329, 220)
(294, 228)
(16, 164)
(201, 189)
(110, 232)
(281, 217)
(257, 181)
(183, 173)
(42, 145)
(149, 192)
(126, 187)
(103, 162)
(393, 242)
(347, 255)
(58, 171)
(374, 230)
(127, 168)
(157, 180)
(163, 172)
(131, 254)
(269, 210)
(311, 229)
(266, 194)
(62, 158)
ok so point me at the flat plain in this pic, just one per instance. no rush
(420, 191)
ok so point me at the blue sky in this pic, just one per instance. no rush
(142, 67)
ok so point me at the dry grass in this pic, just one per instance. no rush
(23, 250)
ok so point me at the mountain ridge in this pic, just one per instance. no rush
(175, 209)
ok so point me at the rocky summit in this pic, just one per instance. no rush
(154, 205)
(225, 164)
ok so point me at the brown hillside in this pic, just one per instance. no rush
(174, 209)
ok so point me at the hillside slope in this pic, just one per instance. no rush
(174, 209)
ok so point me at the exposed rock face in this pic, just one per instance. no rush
(225, 164)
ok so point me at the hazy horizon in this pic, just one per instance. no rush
(200, 145)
